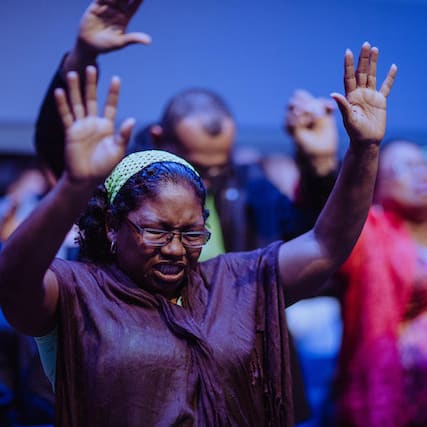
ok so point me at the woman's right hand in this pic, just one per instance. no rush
(92, 149)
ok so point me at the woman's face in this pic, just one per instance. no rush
(161, 269)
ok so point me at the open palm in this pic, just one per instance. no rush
(103, 26)
(92, 147)
(363, 108)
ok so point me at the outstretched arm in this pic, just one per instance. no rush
(102, 29)
(306, 262)
(28, 290)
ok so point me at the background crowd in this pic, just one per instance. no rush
(371, 377)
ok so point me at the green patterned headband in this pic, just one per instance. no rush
(134, 163)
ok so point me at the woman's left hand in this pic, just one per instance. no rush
(363, 108)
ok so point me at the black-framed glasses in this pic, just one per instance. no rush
(157, 237)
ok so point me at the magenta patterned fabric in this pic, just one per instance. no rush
(374, 388)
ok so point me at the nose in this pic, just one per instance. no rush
(174, 246)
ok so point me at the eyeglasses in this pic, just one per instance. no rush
(156, 237)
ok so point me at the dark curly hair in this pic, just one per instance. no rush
(93, 241)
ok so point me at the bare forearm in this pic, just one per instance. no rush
(30, 250)
(345, 212)
(308, 261)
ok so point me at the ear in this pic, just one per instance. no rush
(156, 132)
(111, 227)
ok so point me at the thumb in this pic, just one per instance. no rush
(136, 38)
(123, 137)
(343, 104)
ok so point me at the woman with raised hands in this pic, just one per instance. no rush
(138, 332)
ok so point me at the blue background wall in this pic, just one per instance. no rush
(255, 53)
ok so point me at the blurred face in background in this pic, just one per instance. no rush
(204, 142)
(402, 180)
(207, 149)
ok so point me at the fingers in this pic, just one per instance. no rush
(328, 105)
(73, 108)
(75, 95)
(389, 80)
(110, 108)
(343, 105)
(366, 73)
(63, 109)
(304, 104)
(349, 77)
(136, 38)
(90, 91)
(372, 71)
(125, 7)
(363, 65)
(125, 132)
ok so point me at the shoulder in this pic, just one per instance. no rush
(240, 264)
(72, 274)
(62, 267)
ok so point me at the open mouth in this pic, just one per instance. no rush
(169, 272)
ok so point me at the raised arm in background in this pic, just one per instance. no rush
(307, 261)
(102, 29)
(311, 124)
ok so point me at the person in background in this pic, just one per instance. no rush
(382, 376)
(26, 397)
(314, 323)
(204, 343)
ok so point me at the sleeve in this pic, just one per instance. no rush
(47, 346)
(313, 190)
(49, 137)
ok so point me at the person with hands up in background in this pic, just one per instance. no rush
(102, 29)
(310, 123)
(314, 323)
(143, 330)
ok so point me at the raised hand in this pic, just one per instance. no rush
(103, 26)
(311, 123)
(363, 108)
(92, 148)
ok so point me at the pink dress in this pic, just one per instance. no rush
(382, 369)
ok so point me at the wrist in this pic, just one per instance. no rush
(79, 58)
(365, 149)
(362, 146)
(78, 186)
(319, 164)
(324, 165)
